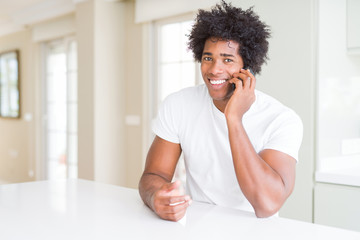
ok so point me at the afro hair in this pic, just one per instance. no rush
(230, 23)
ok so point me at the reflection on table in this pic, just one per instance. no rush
(79, 209)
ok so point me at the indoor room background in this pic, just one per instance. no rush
(91, 74)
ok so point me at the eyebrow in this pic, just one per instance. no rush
(226, 55)
(221, 54)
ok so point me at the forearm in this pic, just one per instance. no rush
(148, 185)
(261, 185)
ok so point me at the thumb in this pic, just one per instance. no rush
(171, 188)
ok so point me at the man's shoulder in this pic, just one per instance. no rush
(267, 102)
(264, 98)
(273, 108)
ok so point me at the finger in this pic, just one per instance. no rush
(237, 81)
(174, 186)
(165, 201)
(168, 188)
(174, 216)
(179, 215)
(242, 76)
(173, 213)
(177, 208)
(239, 75)
(178, 199)
(251, 77)
(247, 78)
(247, 83)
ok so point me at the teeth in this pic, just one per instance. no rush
(217, 81)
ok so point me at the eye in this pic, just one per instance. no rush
(207, 59)
(228, 60)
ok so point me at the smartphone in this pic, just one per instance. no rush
(234, 86)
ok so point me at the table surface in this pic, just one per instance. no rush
(80, 209)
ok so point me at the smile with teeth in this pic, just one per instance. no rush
(217, 82)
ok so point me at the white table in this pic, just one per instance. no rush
(79, 209)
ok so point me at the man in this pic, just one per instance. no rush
(240, 145)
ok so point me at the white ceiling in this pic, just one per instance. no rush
(15, 15)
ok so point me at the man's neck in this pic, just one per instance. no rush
(220, 104)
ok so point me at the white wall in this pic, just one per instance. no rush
(337, 206)
(338, 118)
(339, 81)
(290, 76)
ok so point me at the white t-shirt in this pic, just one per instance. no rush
(190, 118)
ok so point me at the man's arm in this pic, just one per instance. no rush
(155, 185)
(267, 178)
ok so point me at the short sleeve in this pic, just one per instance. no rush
(285, 134)
(166, 124)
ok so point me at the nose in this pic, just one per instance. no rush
(217, 67)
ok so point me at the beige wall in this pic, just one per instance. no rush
(85, 41)
(20, 139)
(17, 136)
(110, 87)
(133, 96)
(109, 82)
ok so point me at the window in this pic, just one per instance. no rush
(9, 85)
(176, 67)
(60, 109)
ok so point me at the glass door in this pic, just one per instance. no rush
(60, 109)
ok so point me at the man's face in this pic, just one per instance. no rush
(220, 60)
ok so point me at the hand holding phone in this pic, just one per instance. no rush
(249, 69)
(243, 96)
